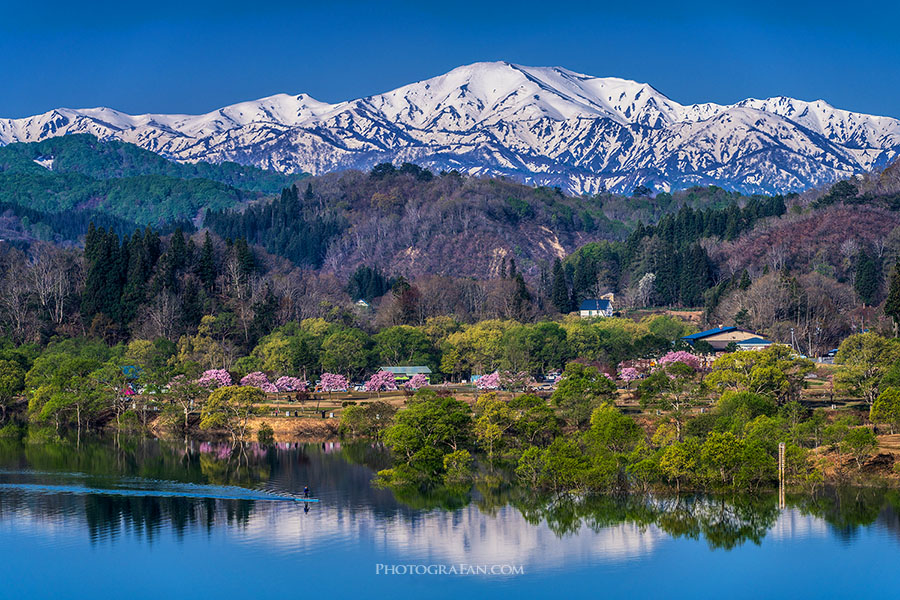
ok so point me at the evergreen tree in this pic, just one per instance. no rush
(206, 268)
(265, 313)
(178, 250)
(695, 277)
(668, 275)
(367, 283)
(559, 294)
(191, 304)
(584, 278)
(892, 304)
(245, 258)
(521, 297)
(103, 283)
(151, 245)
(137, 273)
(866, 283)
(745, 281)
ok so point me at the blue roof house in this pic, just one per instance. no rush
(720, 337)
(589, 309)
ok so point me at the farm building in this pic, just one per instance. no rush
(720, 337)
(405, 373)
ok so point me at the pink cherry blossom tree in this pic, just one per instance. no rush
(382, 381)
(290, 384)
(629, 374)
(332, 382)
(681, 356)
(419, 380)
(214, 378)
(489, 382)
(510, 380)
(259, 380)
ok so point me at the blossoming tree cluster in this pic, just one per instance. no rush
(629, 374)
(259, 380)
(214, 378)
(681, 356)
(489, 382)
(290, 384)
(332, 382)
(382, 381)
(419, 380)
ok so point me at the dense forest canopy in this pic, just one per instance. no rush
(78, 173)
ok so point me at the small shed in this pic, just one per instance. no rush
(405, 373)
(756, 343)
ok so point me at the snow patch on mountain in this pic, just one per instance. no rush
(542, 125)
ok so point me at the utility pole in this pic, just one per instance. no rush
(781, 453)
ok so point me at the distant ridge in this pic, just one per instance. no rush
(542, 125)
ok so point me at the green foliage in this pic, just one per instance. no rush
(721, 454)
(457, 467)
(559, 294)
(535, 349)
(430, 427)
(679, 462)
(868, 278)
(347, 351)
(230, 408)
(265, 435)
(582, 389)
(367, 420)
(673, 388)
(774, 372)
(493, 419)
(534, 422)
(12, 382)
(403, 345)
(367, 283)
(111, 159)
(865, 358)
(886, 408)
(289, 226)
(892, 303)
(613, 430)
(859, 442)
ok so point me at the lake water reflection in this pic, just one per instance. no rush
(190, 520)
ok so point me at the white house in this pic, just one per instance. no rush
(595, 308)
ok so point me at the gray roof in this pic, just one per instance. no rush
(407, 370)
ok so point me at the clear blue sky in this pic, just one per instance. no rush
(184, 56)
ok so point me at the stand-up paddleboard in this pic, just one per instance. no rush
(157, 490)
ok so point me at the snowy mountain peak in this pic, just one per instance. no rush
(544, 125)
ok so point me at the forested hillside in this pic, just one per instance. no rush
(81, 174)
(410, 221)
(419, 245)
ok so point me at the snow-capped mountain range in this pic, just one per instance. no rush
(543, 125)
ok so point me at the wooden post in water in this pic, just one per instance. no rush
(781, 452)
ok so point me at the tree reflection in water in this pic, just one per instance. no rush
(346, 470)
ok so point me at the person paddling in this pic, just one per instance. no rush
(306, 491)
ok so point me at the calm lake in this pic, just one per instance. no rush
(157, 519)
